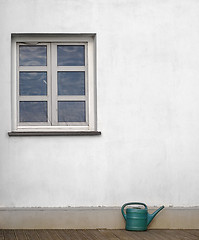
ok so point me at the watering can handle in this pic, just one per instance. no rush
(131, 203)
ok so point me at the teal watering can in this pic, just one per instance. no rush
(137, 219)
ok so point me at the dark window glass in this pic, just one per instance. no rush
(32, 83)
(70, 55)
(71, 83)
(32, 55)
(32, 111)
(71, 111)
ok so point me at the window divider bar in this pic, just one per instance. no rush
(71, 68)
(33, 98)
(71, 98)
(54, 83)
(33, 68)
(49, 83)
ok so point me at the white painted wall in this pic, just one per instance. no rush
(148, 107)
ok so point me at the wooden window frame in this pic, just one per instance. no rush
(52, 40)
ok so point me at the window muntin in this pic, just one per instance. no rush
(54, 85)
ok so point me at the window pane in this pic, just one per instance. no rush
(71, 111)
(71, 83)
(33, 111)
(70, 55)
(32, 83)
(32, 55)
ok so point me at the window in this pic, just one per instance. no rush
(53, 83)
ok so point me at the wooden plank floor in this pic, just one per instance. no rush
(100, 234)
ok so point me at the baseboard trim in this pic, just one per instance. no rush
(92, 218)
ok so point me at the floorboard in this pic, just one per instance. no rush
(1, 235)
(31, 235)
(125, 235)
(53, 234)
(64, 235)
(194, 232)
(98, 234)
(86, 235)
(43, 235)
(185, 235)
(20, 234)
(9, 235)
(108, 234)
(157, 234)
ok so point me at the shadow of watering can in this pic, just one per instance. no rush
(137, 219)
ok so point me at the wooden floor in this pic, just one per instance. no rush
(98, 234)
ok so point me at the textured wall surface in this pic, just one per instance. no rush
(148, 107)
(92, 218)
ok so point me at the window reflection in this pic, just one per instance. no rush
(73, 111)
(32, 55)
(32, 83)
(33, 111)
(70, 55)
(71, 83)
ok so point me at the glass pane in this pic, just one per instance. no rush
(71, 83)
(32, 83)
(33, 111)
(70, 55)
(71, 111)
(32, 55)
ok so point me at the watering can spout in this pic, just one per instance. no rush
(151, 216)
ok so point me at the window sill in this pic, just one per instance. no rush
(56, 133)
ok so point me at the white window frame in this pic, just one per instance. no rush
(52, 40)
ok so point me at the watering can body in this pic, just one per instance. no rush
(137, 219)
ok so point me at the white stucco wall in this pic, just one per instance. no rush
(148, 107)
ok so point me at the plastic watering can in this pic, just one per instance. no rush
(137, 219)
